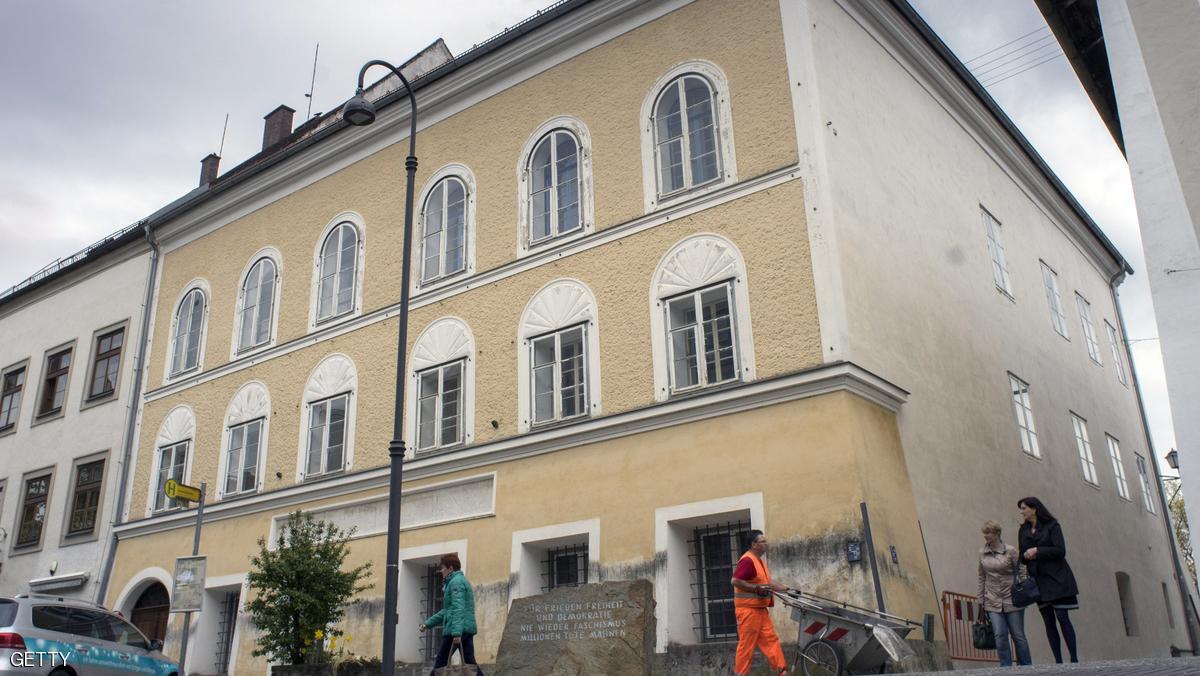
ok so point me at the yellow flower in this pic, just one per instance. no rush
(320, 634)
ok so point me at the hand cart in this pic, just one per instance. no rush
(838, 638)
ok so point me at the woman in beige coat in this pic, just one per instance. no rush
(997, 563)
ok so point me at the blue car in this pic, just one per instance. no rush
(54, 636)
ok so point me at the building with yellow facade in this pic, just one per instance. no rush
(680, 269)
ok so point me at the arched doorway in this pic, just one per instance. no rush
(151, 611)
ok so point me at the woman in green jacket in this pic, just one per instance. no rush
(457, 616)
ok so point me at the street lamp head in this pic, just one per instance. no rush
(358, 111)
(1173, 459)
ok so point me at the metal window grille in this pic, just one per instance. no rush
(225, 628)
(431, 602)
(565, 567)
(715, 550)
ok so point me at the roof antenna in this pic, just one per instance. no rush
(312, 86)
(221, 149)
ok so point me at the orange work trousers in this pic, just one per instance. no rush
(755, 629)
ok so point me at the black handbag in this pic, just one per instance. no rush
(1025, 592)
(982, 635)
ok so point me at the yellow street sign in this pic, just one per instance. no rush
(178, 491)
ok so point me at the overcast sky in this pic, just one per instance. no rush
(109, 107)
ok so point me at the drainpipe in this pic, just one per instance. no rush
(131, 423)
(1185, 595)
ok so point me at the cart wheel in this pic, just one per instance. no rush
(820, 658)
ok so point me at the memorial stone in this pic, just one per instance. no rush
(602, 628)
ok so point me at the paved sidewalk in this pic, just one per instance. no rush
(1158, 666)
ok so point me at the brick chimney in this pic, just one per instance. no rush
(208, 168)
(278, 126)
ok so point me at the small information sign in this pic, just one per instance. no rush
(177, 491)
(187, 593)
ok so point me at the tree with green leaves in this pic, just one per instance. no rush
(1183, 533)
(300, 589)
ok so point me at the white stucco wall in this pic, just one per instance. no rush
(905, 173)
(71, 309)
(1161, 125)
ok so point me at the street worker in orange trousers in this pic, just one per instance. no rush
(752, 589)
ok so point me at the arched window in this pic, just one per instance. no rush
(687, 141)
(337, 272)
(245, 443)
(441, 391)
(327, 433)
(700, 317)
(444, 230)
(189, 331)
(172, 457)
(559, 356)
(257, 305)
(554, 187)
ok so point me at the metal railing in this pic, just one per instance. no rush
(61, 263)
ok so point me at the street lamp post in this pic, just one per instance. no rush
(360, 112)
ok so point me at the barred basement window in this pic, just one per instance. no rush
(431, 602)
(715, 550)
(565, 567)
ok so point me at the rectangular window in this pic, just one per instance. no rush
(715, 552)
(106, 364)
(326, 436)
(171, 462)
(559, 375)
(565, 566)
(1115, 344)
(996, 249)
(439, 406)
(241, 460)
(1024, 414)
(1089, 331)
(1085, 450)
(54, 387)
(1114, 453)
(1058, 316)
(702, 342)
(1144, 479)
(432, 601)
(33, 511)
(1167, 605)
(85, 501)
(10, 397)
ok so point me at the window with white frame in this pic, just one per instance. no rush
(241, 458)
(257, 305)
(337, 271)
(1058, 316)
(559, 375)
(1114, 454)
(172, 462)
(1089, 330)
(325, 453)
(715, 551)
(996, 249)
(686, 147)
(701, 338)
(1019, 391)
(554, 187)
(439, 406)
(1144, 479)
(1086, 461)
(189, 327)
(1115, 343)
(444, 230)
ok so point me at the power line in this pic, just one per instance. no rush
(980, 56)
(1034, 46)
(1010, 68)
(1027, 68)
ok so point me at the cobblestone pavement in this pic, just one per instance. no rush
(1158, 666)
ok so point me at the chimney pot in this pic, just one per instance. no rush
(208, 168)
(278, 126)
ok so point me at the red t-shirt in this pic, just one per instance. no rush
(745, 569)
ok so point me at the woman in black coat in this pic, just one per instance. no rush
(1045, 554)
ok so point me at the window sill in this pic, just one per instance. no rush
(1007, 295)
(314, 478)
(244, 352)
(99, 400)
(24, 549)
(43, 418)
(11, 429)
(430, 452)
(552, 243)
(80, 538)
(180, 375)
(662, 202)
(446, 280)
(555, 424)
(678, 395)
(1030, 456)
(1092, 485)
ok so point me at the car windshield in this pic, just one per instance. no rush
(8, 612)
